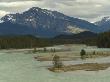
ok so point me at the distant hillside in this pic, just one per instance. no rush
(86, 37)
(28, 41)
(82, 35)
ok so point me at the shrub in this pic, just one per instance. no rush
(56, 62)
(83, 53)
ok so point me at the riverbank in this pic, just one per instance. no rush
(85, 67)
(68, 56)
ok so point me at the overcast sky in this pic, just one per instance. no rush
(90, 10)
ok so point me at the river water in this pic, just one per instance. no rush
(22, 67)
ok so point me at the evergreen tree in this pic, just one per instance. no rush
(56, 61)
(103, 40)
(83, 54)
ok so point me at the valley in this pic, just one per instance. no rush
(41, 45)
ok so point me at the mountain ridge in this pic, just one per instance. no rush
(104, 23)
(47, 23)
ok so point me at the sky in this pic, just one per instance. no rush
(90, 10)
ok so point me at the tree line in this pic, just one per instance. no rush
(103, 40)
(29, 41)
(19, 42)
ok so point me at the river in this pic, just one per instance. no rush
(22, 67)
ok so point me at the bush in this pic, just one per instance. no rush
(56, 61)
(83, 53)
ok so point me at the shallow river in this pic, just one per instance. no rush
(21, 67)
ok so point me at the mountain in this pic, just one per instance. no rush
(45, 23)
(7, 28)
(86, 37)
(104, 23)
(82, 35)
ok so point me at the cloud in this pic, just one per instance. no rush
(17, 0)
(2, 13)
(16, 6)
(90, 10)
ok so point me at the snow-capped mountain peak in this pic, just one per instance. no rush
(106, 18)
(104, 23)
(49, 23)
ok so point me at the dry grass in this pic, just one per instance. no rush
(86, 67)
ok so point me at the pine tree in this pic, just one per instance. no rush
(56, 61)
(83, 54)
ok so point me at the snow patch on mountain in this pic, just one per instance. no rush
(10, 17)
(106, 18)
(104, 23)
(47, 12)
(1, 21)
(75, 29)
